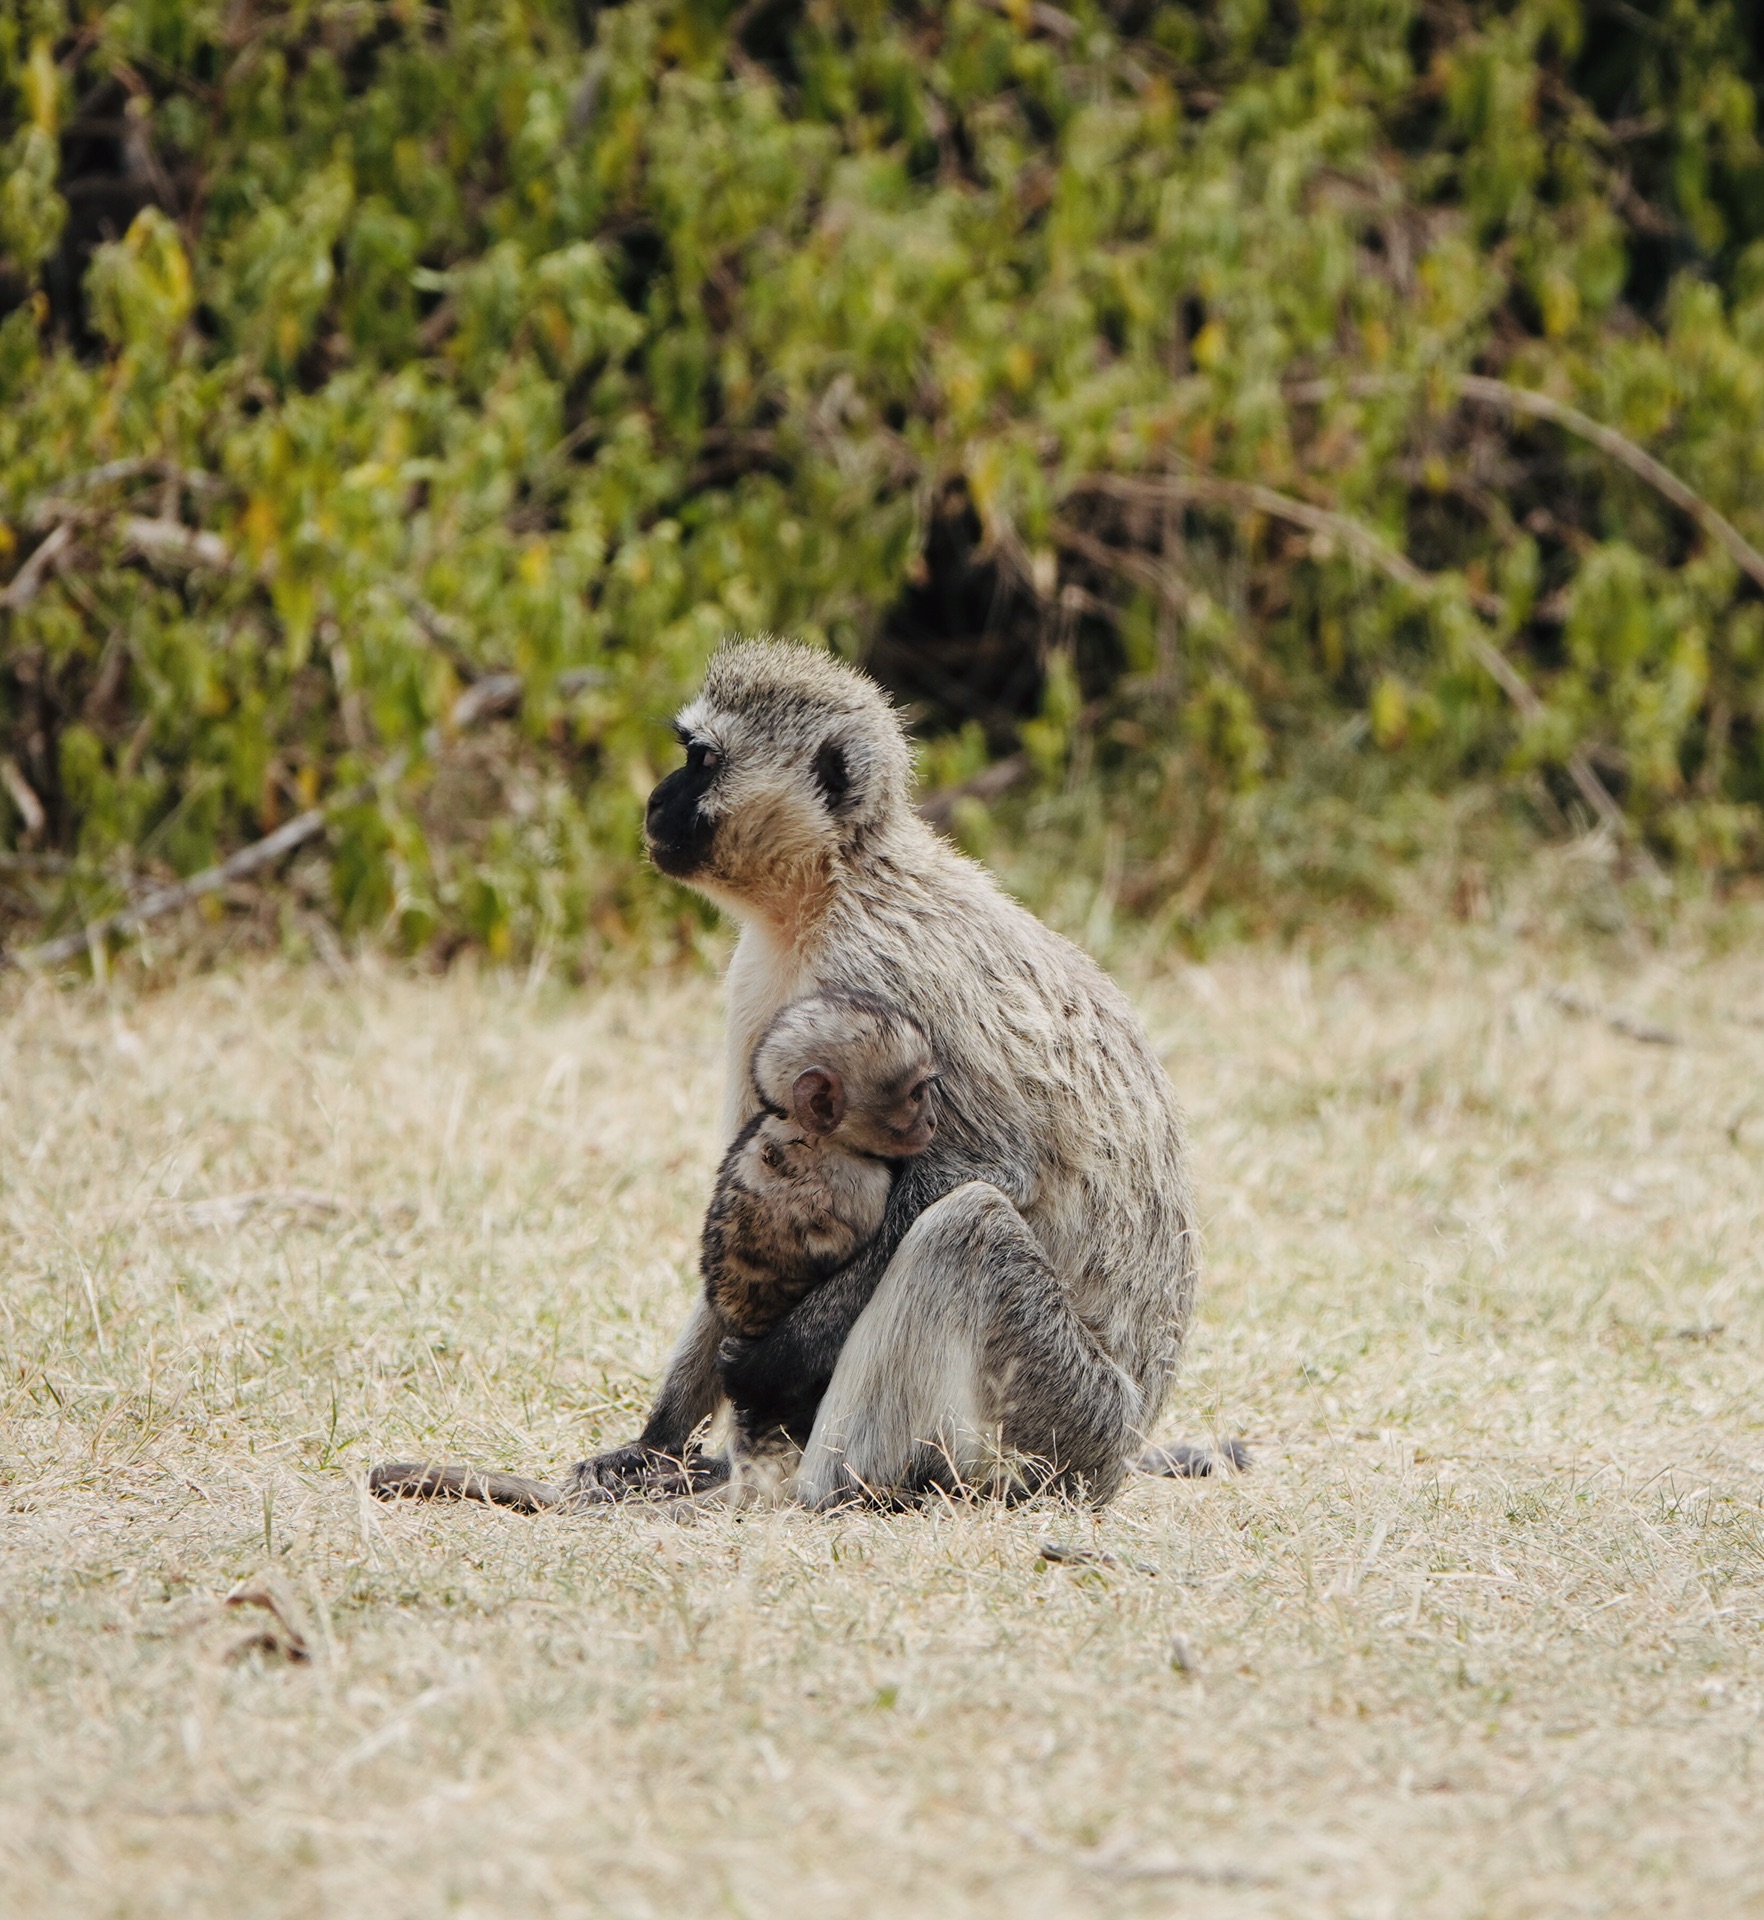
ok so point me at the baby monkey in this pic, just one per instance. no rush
(844, 1084)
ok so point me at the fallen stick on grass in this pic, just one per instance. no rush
(1630, 1025)
(242, 865)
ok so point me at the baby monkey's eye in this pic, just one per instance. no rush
(772, 1157)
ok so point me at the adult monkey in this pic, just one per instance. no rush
(1027, 1298)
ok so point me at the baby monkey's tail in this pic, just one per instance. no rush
(415, 1480)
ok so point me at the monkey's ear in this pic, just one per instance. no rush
(817, 1102)
(832, 775)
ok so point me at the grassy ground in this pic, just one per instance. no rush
(1479, 1635)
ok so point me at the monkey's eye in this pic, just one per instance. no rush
(772, 1157)
(920, 1090)
(702, 759)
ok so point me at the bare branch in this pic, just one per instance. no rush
(169, 542)
(939, 807)
(22, 795)
(57, 506)
(240, 866)
(176, 544)
(1499, 393)
(496, 693)
(1374, 551)
(1540, 406)
(28, 581)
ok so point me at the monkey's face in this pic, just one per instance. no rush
(745, 820)
(886, 1117)
(895, 1121)
(790, 760)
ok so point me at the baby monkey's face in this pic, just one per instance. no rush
(892, 1120)
(847, 1112)
(854, 1074)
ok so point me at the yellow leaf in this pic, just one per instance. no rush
(1390, 713)
(1559, 298)
(259, 525)
(42, 87)
(963, 388)
(1210, 344)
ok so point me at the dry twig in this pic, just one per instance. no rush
(1509, 398)
(1376, 552)
(1630, 1025)
(254, 859)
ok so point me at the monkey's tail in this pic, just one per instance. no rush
(1179, 1461)
(415, 1480)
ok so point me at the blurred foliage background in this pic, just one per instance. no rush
(1267, 443)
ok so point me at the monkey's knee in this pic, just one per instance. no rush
(970, 1220)
(908, 1405)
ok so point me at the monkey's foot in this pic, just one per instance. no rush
(1179, 1461)
(637, 1472)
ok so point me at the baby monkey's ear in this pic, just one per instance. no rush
(817, 1102)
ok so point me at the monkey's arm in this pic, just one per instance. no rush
(663, 1459)
(777, 1380)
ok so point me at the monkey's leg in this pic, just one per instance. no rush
(969, 1357)
(663, 1459)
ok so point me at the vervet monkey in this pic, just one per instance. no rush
(1018, 1317)
(844, 1083)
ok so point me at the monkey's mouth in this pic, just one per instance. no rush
(677, 862)
(675, 830)
(914, 1139)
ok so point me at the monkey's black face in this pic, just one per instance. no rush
(675, 826)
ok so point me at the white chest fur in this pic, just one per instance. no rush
(763, 975)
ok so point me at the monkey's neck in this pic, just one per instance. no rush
(792, 919)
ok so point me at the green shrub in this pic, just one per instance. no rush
(1096, 374)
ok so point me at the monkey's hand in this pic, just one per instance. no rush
(639, 1472)
(776, 1378)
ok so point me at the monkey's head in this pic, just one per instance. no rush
(851, 1071)
(793, 761)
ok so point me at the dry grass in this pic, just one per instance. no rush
(1480, 1634)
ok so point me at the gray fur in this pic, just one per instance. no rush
(796, 1198)
(1027, 1297)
